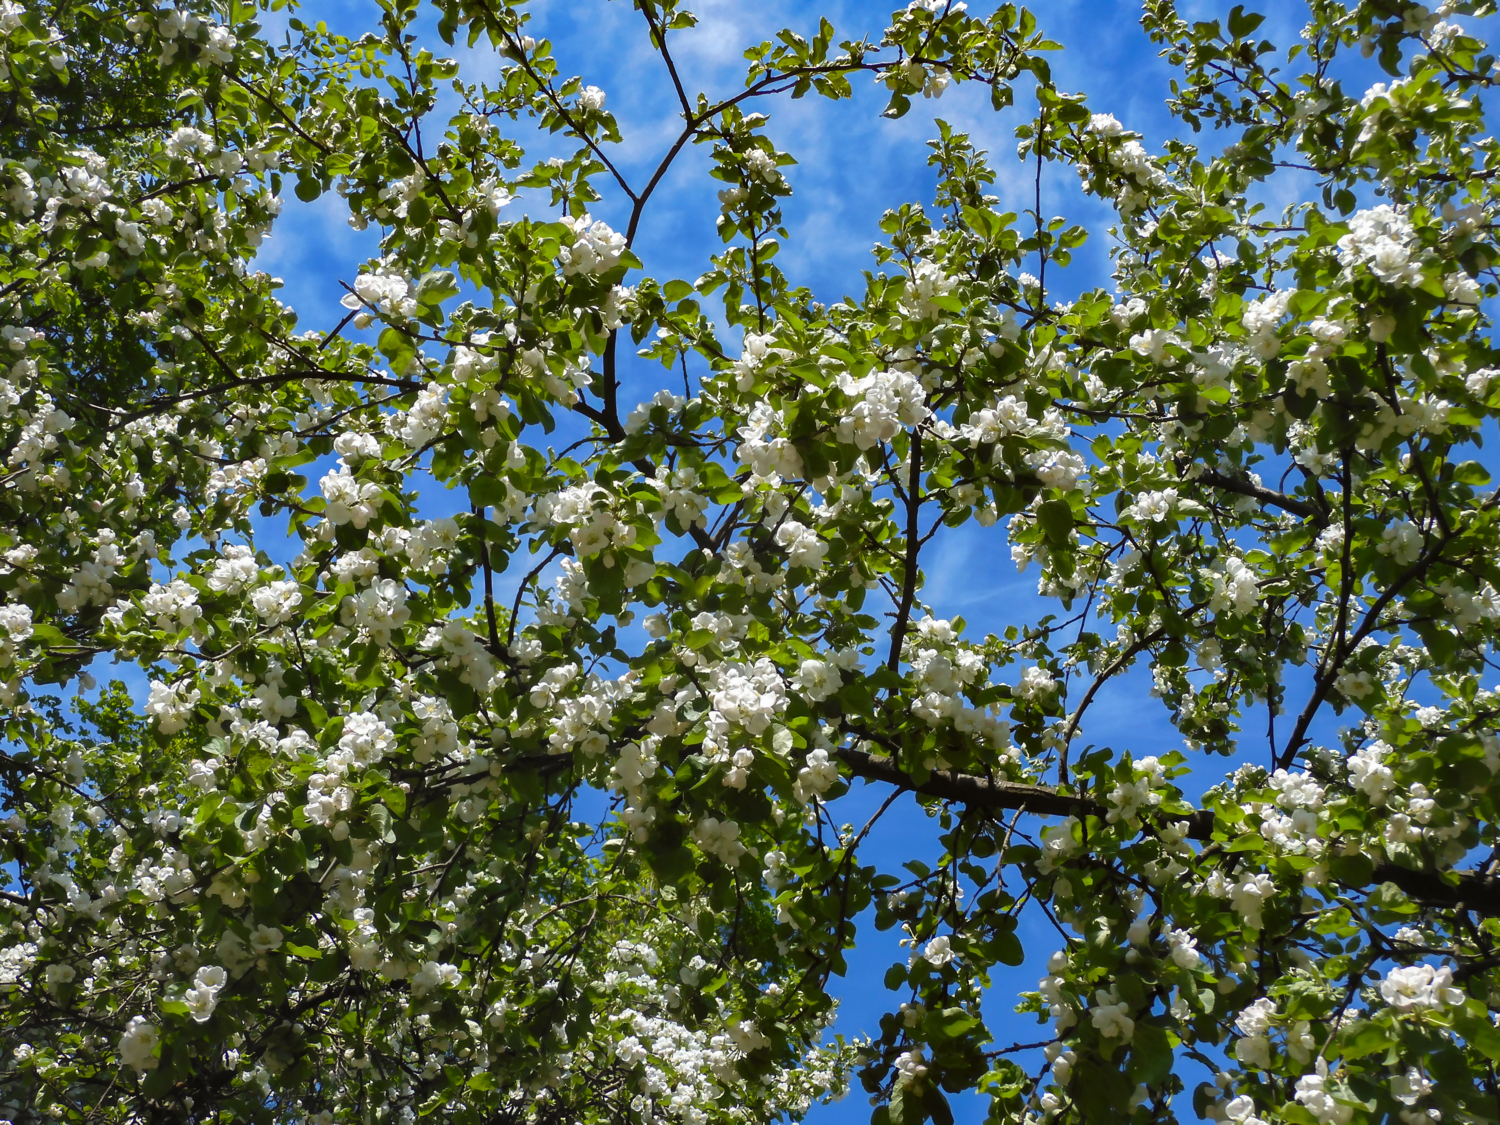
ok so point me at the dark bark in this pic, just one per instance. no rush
(1469, 890)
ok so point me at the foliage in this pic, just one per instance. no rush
(340, 865)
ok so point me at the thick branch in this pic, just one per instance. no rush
(1471, 890)
(1120, 662)
(1341, 651)
(913, 545)
(1262, 495)
(975, 791)
(167, 401)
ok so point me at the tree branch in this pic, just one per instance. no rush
(1469, 889)
(1258, 492)
(155, 405)
(913, 545)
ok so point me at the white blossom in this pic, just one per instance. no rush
(1381, 239)
(1420, 988)
(138, 1045)
(596, 249)
(881, 404)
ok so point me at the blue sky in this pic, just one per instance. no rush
(853, 165)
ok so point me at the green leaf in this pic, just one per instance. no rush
(1150, 1054)
(897, 1110)
(1297, 1114)
(1007, 949)
(1056, 520)
(1471, 473)
(937, 1106)
(308, 188)
(950, 1023)
(1299, 406)
(257, 762)
(397, 347)
(1242, 23)
(1388, 903)
(1352, 870)
(1100, 1091)
(1483, 1037)
(437, 287)
(898, 107)
(486, 490)
(394, 799)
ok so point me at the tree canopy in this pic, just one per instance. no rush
(381, 844)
